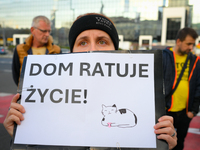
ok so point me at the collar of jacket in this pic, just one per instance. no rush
(28, 43)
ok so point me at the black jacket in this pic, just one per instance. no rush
(193, 100)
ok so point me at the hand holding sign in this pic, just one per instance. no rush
(14, 115)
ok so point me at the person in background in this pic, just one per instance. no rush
(183, 104)
(91, 32)
(38, 43)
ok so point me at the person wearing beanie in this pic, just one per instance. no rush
(93, 32)
(96, 32)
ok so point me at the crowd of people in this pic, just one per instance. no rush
(96, 32)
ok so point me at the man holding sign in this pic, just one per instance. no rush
(88, 33)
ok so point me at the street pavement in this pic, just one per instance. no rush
(5, 138)
(192, 141)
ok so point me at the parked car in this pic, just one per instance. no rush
(2, 50)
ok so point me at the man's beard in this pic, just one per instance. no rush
(183, 52)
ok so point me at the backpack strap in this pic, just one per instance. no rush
(167, 98)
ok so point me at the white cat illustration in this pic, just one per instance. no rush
(122, 118)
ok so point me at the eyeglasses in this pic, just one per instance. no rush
(43, 31)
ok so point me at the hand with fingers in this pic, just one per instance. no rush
(166, 130)
(14, 115)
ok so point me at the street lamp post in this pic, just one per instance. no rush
(3, 33)
(72, 8)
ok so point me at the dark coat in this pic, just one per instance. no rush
(193, 100)
(22, 50)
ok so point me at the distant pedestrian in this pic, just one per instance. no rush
(182, 94)
(38, 43)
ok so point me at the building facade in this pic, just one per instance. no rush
(132, 18)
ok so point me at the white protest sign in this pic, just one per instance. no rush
(88, 99)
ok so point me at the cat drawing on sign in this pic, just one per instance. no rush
(122, 118)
